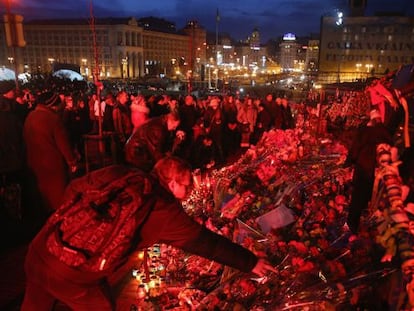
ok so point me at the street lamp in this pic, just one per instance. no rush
(339, 22)
(51, 60)
(358, 68)
(124, 62)
(339, 18)
(85, 67)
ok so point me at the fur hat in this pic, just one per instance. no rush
(6, 86)
(48, 99)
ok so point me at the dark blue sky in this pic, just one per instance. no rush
(238, 17)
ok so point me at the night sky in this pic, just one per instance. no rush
(237, 17)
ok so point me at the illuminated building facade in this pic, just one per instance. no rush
(165, 53)
(124, 49)
(364, 46)
(171, 53)
(246, 53)
(312, 56)
(289, 48)
(119, 49)
(197, 47)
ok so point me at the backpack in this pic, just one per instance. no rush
(97, 229)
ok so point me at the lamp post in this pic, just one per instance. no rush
(10, 19)
(338, 22)
(85, 67)
(208, 66)
(217, 52)
(51, 60)
(358, 68)
(338, 73)
(369, 68)
(124, 62)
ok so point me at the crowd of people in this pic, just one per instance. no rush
(50, 125)
(42, 143)
(152, 134)
(207, 132)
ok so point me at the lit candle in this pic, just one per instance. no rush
(141, 255)
(208, 184)
(197, 178)
(153, 281)
(141, 292)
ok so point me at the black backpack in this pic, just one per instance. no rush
(97, 229)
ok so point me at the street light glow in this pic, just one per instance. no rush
(339, 18)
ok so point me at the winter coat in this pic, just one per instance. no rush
(122, 122)
(363, 149)
(49, 154)
(11, 140)
(166, 222)
(148, 143)
(248, 115)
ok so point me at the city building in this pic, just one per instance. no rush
(235, 60)
(289, 52)
(251, 52)
(356, 47)
(111, 47)
(312, 56)
(197, 47)
(165, 53)
(170, 52)
(350, 47)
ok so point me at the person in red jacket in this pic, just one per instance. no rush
(49, 279)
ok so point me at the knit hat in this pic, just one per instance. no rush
(6, 86)
(48, 98)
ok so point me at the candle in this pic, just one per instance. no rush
(141, 255)
(197, 178)
(153, 281)
(141, 292)
(208, 184)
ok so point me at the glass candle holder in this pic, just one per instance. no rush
(141, 292)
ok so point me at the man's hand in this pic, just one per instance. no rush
(263, 267)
